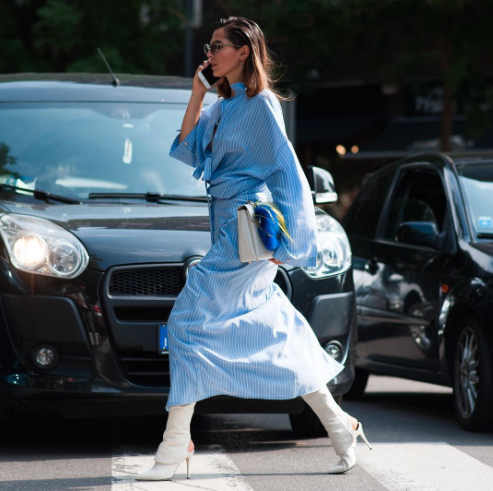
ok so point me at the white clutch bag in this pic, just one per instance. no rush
(250, 245)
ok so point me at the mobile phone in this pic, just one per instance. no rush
(208, 79)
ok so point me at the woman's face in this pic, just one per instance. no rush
(227, 62)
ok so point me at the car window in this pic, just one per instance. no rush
(457, 204)
(362, 217)
(477, 182)
(75, 149)
(419, 197)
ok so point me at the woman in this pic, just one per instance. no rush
(232, 330)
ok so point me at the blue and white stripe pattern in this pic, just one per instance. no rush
(232, 330)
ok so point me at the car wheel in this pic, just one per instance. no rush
(359, 384)
(307, 424)
(473, 377)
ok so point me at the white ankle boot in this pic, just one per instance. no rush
(173, 450)
(348, 458)
(338, 426)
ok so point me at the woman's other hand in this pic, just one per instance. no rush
(275, 261)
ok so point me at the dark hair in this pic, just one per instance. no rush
(259, 66)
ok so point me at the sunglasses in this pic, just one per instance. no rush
(216, 46)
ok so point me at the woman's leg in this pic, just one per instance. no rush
(176, 437)
(339, 426)
(176, 446)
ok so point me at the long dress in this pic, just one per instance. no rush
(232, 330)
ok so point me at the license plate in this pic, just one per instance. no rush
(162, 347)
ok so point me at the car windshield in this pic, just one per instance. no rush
(477, 182)
(73, 149)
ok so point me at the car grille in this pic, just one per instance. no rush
(146, 369)
(152, 281)
(155, 283)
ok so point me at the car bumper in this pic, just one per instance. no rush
(107, 355)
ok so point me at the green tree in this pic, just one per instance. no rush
(136, 36)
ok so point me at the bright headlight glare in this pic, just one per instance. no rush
(42, 247)
(30, 251)
(334, 251)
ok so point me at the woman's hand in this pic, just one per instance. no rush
(198, 86)
(275, 261)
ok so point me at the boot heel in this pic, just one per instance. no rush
(360, 432)
(188, 466)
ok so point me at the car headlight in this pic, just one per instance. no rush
(334, 251)
(42, 247)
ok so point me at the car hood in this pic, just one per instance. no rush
(116, 234)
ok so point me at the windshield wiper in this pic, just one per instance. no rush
(153, 197)
(43, 195)
(485, 235)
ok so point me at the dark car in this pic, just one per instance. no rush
(98, 228)
(421, 232)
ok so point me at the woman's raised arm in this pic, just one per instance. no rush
(194, 108)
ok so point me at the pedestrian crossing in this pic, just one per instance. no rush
(416, 466)
(210, 470)
(425, 466)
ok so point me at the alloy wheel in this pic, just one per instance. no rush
(466, 378)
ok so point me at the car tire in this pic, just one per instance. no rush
(473, 377)
(307, 424)
(359, 385)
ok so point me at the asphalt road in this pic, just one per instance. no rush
(417, 445)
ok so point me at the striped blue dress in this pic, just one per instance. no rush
(232, 330)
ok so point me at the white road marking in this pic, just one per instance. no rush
(210, 470)
(419, 466)
(424, 466)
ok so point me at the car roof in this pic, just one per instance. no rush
(446, 159)
(96, 87)
(463, 158)
(452, 160)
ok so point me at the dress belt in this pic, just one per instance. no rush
(261, 196)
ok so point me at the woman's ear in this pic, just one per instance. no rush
(244, 52)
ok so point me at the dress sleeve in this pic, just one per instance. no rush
(292, 195)
(288, 185)
(186, 151)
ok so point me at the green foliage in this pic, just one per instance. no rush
(58, 28)
(136, 36)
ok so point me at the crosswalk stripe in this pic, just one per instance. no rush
(424, 466)
(210, 470)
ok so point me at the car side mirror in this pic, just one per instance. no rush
(322, 185)
(422, 233)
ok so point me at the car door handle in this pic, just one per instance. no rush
(372, 266)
